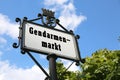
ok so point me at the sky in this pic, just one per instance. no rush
(96, 21)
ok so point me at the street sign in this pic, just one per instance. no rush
(46, 40)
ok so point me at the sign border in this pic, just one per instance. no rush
(77, 58)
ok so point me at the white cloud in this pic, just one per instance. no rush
(2, 40)
(8, 72)
(67, 63)
(54, 2)
(71, 21)
(7, 27)
(67, 11)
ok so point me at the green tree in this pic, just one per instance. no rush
(62, 74)
(103, 65)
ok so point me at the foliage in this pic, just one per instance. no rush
(103, 65)
(62, 74)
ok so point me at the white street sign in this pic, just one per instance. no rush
(45, 40)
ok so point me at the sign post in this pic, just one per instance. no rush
(46, 39)
(52, 66)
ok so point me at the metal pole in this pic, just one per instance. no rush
(52, 66)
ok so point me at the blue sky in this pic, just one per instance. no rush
(96, 21)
